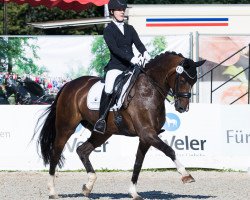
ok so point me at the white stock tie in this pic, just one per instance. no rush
(120, 25)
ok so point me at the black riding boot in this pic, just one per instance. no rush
(100, 125)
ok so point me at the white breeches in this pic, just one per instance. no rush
(110, 79)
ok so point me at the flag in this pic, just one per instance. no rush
(175, 22)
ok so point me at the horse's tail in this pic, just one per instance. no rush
(48, 133)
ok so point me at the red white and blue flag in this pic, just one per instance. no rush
(180, 22)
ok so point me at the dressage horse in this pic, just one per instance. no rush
(143, 117)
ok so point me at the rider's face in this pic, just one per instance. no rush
(119, 14)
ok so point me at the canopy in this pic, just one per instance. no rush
(71, 23)
(76, 5)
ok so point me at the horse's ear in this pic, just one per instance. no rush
(199, 63)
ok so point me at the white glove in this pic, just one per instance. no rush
(135, 60)
(146, 56)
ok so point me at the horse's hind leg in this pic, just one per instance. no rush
(55, 157)
(84, 151)
(140, 155)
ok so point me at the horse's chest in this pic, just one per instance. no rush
(149, 99)
(146, 92)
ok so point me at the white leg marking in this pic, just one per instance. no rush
(180, 168)
(91, 180)
(132, 190)
(51, 186)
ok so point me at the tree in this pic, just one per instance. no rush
(101, 52)
(1, 18)
(159, 44)
(19, 16)
(75, 73)
(14, 58)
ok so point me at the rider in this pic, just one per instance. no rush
(119, 38)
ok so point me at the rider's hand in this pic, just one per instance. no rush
(146, 56)
(136, 61)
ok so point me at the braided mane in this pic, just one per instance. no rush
(161, 56)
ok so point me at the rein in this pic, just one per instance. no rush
(157, 87)
(174, 92)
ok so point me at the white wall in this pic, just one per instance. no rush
(238, 18)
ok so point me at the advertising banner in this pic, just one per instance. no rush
(229, 55)
(45, 63)
(207, 136)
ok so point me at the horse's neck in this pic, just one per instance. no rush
(158, 74)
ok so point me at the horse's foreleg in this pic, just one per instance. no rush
(140, 155)
(84, 151)
(156, 142)
(186, 177)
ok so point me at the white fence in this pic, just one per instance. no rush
(208, 136)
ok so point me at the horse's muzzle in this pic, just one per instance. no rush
(181, 108)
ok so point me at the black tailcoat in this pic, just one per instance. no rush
(120, 46)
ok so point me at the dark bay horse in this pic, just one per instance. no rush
(144, 117)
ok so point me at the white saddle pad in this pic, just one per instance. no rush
(95, 92)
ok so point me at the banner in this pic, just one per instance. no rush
(229, 55)
(208, 136)
(59, 59)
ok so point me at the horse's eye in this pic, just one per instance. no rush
(183, 81)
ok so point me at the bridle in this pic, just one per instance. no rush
(175, 91)
(179, 71)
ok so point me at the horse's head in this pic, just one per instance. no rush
(181, 79)
(173, 73)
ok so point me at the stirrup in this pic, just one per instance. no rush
(100, 126)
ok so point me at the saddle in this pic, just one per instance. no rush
(121, 95)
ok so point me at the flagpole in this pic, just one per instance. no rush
(106, 11)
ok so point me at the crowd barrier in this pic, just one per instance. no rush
(207, 136)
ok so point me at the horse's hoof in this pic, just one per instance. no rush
(55, 196)
(187, 179)
(138, 198)
(85, 190)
